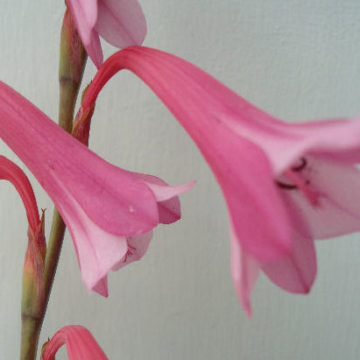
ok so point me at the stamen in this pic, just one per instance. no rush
(298, 168)
(131, 251)
(299, 183)
(301, 166)
(286, 186)
(303, 186)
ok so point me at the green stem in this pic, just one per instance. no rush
(30, 331)
(71, 67)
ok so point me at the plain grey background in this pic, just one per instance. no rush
(297, 59)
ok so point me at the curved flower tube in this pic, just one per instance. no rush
(35, 253)
(120, 22)
(11, 172)
(107, 210)
(80, 344)
(284, 184)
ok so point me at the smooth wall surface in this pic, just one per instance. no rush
(297, 59)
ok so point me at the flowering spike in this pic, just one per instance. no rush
(33, 271)
(284, 184)
(80, 344)
(102, 205)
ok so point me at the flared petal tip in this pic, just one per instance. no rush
(248, 311)
(101, 287)
(246, 305)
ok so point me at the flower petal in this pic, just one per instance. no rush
(245, 271)
(97, 250)
(166, 196)
(337, 211)
(137, 247)
(85, 14)
(335, 137)
(296, 271)
(110, 198)
(121, 22)
(94, 50)
(257, 213)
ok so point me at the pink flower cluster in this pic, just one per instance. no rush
(284, 185)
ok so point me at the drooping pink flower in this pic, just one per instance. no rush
(110, 212)
(120, 22)
(80, 344)
(284, 184)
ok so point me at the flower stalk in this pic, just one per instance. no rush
(32, 301)
(71, 67)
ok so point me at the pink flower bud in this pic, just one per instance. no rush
(79, 342)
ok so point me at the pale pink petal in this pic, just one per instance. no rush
(101, 287)
(337, 211)
(97, 250)
(338, 138)
(166, 196)
(137, 247)
(80, 344)
(256, 211)
(85, 14)
(169, 211)
(94, 50)
(245, 271)
(121, 22)
(296, 272)
(163, 191)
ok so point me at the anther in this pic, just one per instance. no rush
(298, 168)
(301, 166)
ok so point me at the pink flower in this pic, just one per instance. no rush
(284, 184)
(120, 22)
(80, 344)
(110, 212)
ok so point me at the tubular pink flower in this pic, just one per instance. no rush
(80, 344)
(120, 22)
(284, 184)
(108, 211)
